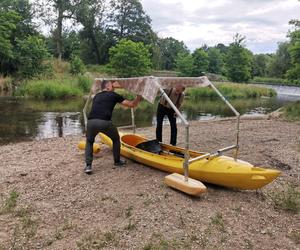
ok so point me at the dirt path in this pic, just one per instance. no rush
(47, 202)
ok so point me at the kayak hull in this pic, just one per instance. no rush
(221, 170)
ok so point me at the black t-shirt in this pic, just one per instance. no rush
(103, 105)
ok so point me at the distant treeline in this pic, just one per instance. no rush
(118, 34)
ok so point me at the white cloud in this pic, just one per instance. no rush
(198, 22)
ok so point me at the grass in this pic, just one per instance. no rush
(275, 81)
(59, 88)
(128, 212)
(218, 221)
(294, 235)
(25, 227)
(287, 199)
(97, 240)
(158, 242)
(230, 91)
(10, 203)
(5, 84)
(292, 111)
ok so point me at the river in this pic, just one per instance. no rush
(25, 119)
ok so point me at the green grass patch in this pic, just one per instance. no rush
(60, 88)
(10, 203)
(292, 111)
(5, 84)
(231, 91)
(97, 240)
(275, 81)
(287, 199)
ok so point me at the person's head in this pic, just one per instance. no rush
(107, 86)
(179, 88)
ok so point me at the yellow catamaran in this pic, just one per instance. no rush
(212, 168)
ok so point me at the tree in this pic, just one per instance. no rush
(128, 59)
(91, 14)
(170, 48)
(31, 54)
(185, 64)
(130, 21)
(294, 50)
(260, 63)
(215, 61)
(8, 24)
(238, 60)
(280, 62)
(25, 11)
(55, 12)
(201, 61)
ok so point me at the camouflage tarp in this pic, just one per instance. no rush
(148, 86)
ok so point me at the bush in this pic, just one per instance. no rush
(292, 111)
(31, 55)
(84, 83)
(77, 66)
(128, 59)
(5, 84)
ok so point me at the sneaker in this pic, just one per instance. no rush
(88, 169)
(119, 164)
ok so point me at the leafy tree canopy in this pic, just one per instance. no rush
(129, 59)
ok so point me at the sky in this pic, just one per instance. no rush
(199, 22)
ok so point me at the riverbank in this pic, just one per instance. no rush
(52, 204)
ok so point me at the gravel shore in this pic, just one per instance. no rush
(47, 202)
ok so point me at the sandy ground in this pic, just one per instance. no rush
(59, 207)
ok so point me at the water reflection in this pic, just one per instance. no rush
(23, 119)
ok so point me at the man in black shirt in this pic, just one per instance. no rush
(99, 120)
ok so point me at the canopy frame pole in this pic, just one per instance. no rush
(237, 114)
(186, 124)
(132, 120)
(87, 103)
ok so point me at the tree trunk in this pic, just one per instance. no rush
(94, 41)
(59, 32)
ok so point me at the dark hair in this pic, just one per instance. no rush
(103, 84)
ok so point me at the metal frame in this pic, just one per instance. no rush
(187, 159)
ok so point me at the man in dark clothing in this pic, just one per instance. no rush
(164, 109)
(99, 120)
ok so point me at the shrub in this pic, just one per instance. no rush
(292, 111)
(128, 59)
(77, 66)
(84, 83)
(31, 55)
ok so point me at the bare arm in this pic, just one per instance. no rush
(133, 103)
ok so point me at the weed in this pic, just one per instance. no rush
(287, 199)
(218, 221)
(294, 235)
(58, 234)
(128, 212)
(148, 201)
(158, 242)
(237, 209)
(130, 226)
(23, 211)
(249, 244)
(68, 225)
(10, 203)
(109, 198)
(96, 240)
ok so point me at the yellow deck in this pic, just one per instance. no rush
(221, 170)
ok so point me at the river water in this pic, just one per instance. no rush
(24, 119)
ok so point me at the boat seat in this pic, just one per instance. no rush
(152, 146)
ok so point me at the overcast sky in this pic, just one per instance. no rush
(198, 22)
